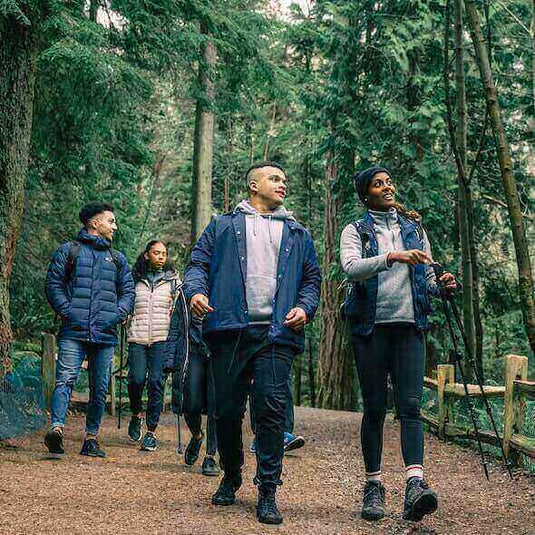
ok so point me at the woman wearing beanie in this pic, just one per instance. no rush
(386, 257)
(151, 352)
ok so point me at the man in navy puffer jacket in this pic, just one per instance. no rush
(91, 288)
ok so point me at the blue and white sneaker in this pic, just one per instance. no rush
(292, 442)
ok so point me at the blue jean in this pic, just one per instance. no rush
(71, 354)
(140, 360)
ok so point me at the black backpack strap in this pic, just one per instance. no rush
(74, 251)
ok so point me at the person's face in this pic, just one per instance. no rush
(104, 224)
(157, 256)
(270, 185)
(381, 193)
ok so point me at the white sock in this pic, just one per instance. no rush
(373, 476)
(414, 470)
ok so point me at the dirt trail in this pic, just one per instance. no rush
(132, 492)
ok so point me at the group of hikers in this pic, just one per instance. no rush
(230, 329)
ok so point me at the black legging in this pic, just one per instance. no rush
(398, 350)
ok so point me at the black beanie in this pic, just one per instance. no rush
(363, 179)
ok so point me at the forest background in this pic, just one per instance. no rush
(159, 107)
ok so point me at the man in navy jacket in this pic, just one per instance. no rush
(254, 277)
(90, 286)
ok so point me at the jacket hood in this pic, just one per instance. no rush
(98, 242)
(279, 213)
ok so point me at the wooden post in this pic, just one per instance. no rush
(516, 367)
(48, 365)
(445, 375)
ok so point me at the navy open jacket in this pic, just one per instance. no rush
(218, 269)
(96, 296)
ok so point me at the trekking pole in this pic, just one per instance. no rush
(120, 375)
(438, 269)
(479, 380)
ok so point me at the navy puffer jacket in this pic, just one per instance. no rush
(98, 295)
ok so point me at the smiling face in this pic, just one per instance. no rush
(381, 193)
(157, 256)
(268, 186)
(104, 225)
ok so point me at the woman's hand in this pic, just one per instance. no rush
(199, 305)
(412, 257)
(448, 281)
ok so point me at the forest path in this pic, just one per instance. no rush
(131, 492)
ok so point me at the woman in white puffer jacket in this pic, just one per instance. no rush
(157, 290)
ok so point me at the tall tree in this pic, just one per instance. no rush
(203, 151)
(18, 50)
(525, 276)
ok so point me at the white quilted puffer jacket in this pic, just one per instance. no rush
(152, 310)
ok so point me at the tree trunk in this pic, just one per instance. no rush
(17, 63)
(311, 377)
(525, 277)
(335, 369)
(464, 205)
(203, 141)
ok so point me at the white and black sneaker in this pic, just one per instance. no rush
(149, 442)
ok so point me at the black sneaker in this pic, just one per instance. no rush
(266, 510)
(91, 448)
(192, 451)
(149, 442)
(54, 441)
(373, 503)
(134, 428)
(210, 467)
(226, 493)
(420, 500)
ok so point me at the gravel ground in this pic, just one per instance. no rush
(150, 493)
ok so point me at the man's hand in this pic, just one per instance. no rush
(412, 257)
(449, 282)
(199, 305)
(296, 319)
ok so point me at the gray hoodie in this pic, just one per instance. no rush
(264, 235)
(394, 295)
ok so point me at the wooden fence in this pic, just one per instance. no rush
(516, 390)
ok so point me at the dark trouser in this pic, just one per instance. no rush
(199, 396)
(237, 358)
(397, 350)
(288, 411)
(140, 360)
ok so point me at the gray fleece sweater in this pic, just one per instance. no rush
(264, 236)
(394, 296)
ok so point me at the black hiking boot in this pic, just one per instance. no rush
(54, 441)
(90, 448)
(192, 451)
(209, 466)
(373, 503)
(420, 500)
(226, 493)
(266, 510)
(134, 428)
